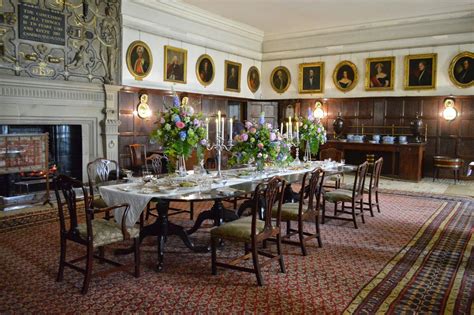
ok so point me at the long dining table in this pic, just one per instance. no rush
(164, 190)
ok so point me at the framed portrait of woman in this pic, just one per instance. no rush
(253, 79)
(280, 79)
(461, 70)
(175, 64)
(205, 70)
(420, 72)
(379, 74)
(139, 60)
(345, 76)
(232, 76)
(311, 77)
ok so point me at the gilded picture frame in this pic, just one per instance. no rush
(205, 69)
(232, 76)
(311, 77)
(461, 70)
(380, 74)
(139, 60)
(175, 64)
(420, 72)
(280, 79)
(345, 76)
(253, 79)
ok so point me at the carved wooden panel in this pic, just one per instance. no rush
(89, 53)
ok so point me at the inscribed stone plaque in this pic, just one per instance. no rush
(41, 25)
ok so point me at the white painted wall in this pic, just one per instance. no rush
(155, 78)
(444, 86)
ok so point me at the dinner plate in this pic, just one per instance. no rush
(125, 188)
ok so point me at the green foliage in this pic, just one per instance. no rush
(312, 131)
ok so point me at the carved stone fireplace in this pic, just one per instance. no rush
(43, 102)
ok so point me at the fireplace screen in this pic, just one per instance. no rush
(23, 153)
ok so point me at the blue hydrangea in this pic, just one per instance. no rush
(176, 102)
(176, 118)
(182, 135)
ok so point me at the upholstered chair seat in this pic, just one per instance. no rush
(239, 230)
(105, 232)
(289, 211)
(98, 203)
(339, 195)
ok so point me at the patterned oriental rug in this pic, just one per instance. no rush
(415, 256)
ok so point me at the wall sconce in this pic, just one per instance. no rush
(449, 113)
(318, 112)
(143, 110)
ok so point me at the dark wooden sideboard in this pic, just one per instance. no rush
(404, 161)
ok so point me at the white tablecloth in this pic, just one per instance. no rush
(114, 194)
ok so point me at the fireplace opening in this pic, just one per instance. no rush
(65, 157)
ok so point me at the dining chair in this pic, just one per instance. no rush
(154, 163)
(335, 155)
(354, 196)
(137, 157)
(373, 189)
(93, 233)
(100, 171)
(254, 230)
(307, 208)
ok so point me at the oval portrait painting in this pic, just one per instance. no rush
(139, 60)
(205, 70)
(253, 79)
(345, 76)
(280, 79)
(461, 70)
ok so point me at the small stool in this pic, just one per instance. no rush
(449, 163)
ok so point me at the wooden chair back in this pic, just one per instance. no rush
(375, 176)
(331, 153)
(156, 162)
(65, 189)
(359, 181)
(137, 155)
(315, 185)
(101, 170)
(265, 196)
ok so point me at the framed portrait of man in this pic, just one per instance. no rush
(345, 76)
(311, 77)
(175, 64)
(232, 76)
(253, 79)
(280, 79)
(420, 72)
(205, 70)
(379, 74)
(461, 70)
(139, 60)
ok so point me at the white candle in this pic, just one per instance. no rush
(290, 128)
(217, 129)
(287, 130)
(230, 129)
(222, 125)
(219, 121)
(297, 131)
(207, 129)
(281, 128)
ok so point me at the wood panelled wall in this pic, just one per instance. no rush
(455, 138)
(136, 130)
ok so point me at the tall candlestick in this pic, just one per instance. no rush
(230, 129)
(297, 131)
(222, 125)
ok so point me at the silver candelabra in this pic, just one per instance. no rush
(219, 146)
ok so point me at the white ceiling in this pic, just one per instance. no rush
(277, 17)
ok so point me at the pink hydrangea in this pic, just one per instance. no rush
(244, 137)
(260, 145)
(272, 136)
(253, 130)
(248, 124)
(180, 124)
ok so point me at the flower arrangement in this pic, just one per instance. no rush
(180, 130)
(312, 132)
(259, 142)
